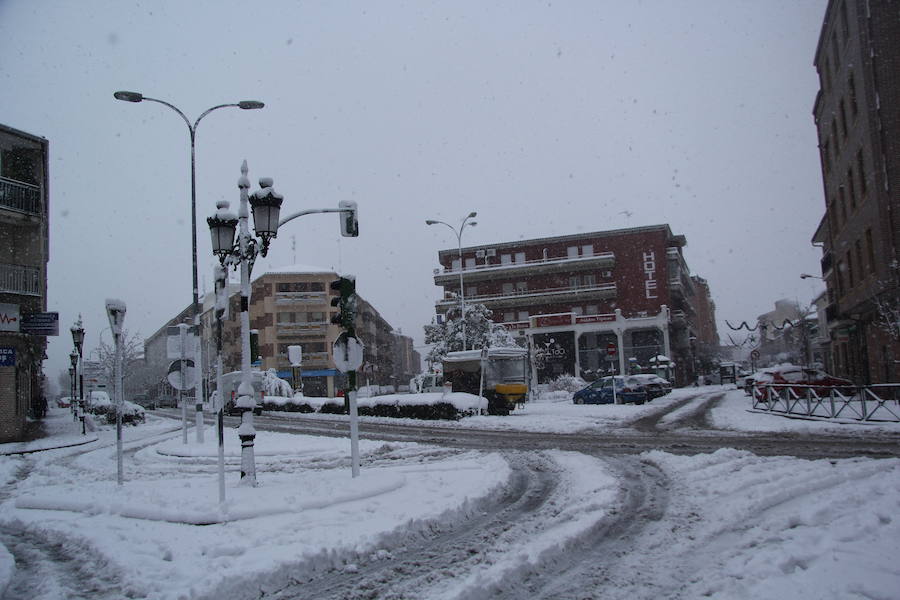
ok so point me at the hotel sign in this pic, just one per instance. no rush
(595, 319)
(650, 274)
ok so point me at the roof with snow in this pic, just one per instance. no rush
(297, 270)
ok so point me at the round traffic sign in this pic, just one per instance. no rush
(611, 348)
(347, 353)
(179, 380)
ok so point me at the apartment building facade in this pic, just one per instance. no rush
(858, 124)
(588, 304)
(24, 252)
(292, 306)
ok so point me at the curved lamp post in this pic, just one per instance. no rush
(266, 206)
(458, 233)
(126, 96)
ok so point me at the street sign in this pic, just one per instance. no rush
(754, 355)
(46, 323)
(7, 356)
(611, 349)
(348, 353)
(9, 317)
(182, 381)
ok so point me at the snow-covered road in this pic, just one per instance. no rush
(659, 501)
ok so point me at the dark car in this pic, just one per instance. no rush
(800, 379)
(656, 386)
(234, 411)
(628, 389)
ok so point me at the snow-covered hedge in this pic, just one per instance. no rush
(566, 383)
(429, 406)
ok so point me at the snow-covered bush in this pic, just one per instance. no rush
(273, 385)
(566, 383)
(132, 413)
(295, 404)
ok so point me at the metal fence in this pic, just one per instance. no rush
(869, 403)
(20, 196)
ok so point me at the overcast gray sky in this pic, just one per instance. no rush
(548, 118)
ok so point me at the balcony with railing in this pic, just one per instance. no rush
(20, 279)
(284, 328)
(20, 197)
(600, 291)
(285, 298)
(601, 260)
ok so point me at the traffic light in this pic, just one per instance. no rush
(345, 301)
(349, 221)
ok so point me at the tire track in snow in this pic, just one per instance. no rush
(413, 561)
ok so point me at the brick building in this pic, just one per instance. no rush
(858, 123)
(575, 297)
(24, 252)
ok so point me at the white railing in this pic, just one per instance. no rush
(606, 256)
(602, 287)
(867, 403)
(20, 279)
(20, 196)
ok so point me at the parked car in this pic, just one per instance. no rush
(793, 375)
(656, 386)
(628, 389)
(167, 402)
(230, 383)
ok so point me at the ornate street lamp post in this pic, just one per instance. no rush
(266, 206)
(458, 233)
(78, 339)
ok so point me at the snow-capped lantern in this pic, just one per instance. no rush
(266, 206)
(222, 226)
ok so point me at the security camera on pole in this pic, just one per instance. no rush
(348, 355)
(115, 310)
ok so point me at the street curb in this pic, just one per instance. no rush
(80, 443)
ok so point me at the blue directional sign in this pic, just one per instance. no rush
(7, 356)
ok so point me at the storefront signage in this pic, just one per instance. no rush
(553, 320)
(46, 323)
(9, 317)
(7, 356)
(650, 274)
(595, 318)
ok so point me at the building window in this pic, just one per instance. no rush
(472, 290)
(577, 310)
(455, 265)
(591, 309)
(850, 282)
(826, 75)
(840, 278)
(286, 317)
(870, 250)
(843, 195)
(861, 169)
(521, 286)
(520, 257)
(574, 281)
(508, 288)
(852, 185)
(506, 259)
(509, 316)
(854, 106)
(859, 258)
(834, 136)
(315, 317)
(843, 110)
(587, 250)
(523, 315)
(470, 263)
(845, 28)
(833, 215)
(590, 280)
(826, 157)
(835, 49)
(572, 252)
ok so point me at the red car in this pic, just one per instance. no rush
(821, 382)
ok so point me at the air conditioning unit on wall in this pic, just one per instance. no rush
(490, 252)
(479, 253)
(607, 274)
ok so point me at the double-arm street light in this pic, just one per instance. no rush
(458, 233)
(266, 206)
(192, 129)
